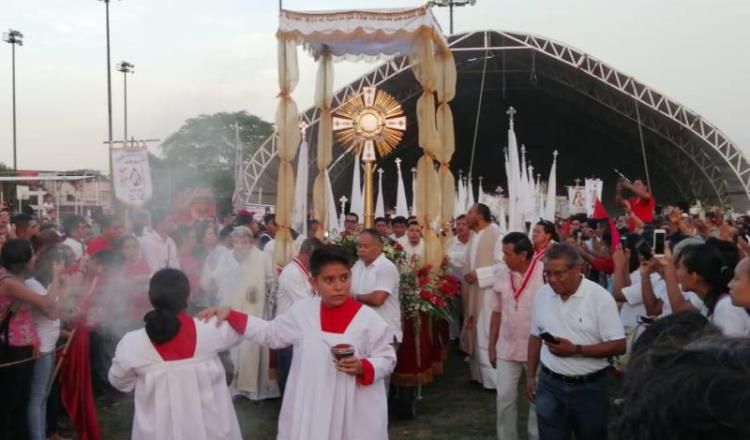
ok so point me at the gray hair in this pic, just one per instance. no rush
(310, 245)
(565, 251)
(241, 231)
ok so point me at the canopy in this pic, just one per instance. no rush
(56, 178)
(375, 33)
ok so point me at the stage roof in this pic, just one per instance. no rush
(596, 117)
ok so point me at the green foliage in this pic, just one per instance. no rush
(202, 151)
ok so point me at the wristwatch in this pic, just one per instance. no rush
(579, 350)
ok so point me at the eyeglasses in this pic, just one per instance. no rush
(556, 273)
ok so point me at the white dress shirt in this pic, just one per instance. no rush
(411, 251)
(458, 254)
(383, 275)
(588, 317)
(733, 321)
(294, 285)
(75, 245)
(159, 252)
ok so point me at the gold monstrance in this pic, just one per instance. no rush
(366, 123)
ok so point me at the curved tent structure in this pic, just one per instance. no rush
(595, 116)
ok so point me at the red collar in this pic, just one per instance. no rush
(337, 319)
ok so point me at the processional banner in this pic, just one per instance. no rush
(132, 176)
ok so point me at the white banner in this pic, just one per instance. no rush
(132, 176)
(576, 200)
(593, 193)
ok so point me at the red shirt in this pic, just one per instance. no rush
(96, 244)
(643, 209)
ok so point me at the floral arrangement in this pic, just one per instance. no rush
(349, 243)
(424, 290)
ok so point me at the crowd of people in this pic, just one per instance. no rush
(559, 309)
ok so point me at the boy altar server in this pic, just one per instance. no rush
(327, 399)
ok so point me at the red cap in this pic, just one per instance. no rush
(246, 212)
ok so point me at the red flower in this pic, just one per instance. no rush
(425, 295)
(424, 270)
(448, 289)
(399, 247)
(450, 278)
(440, 302)
(423, 280)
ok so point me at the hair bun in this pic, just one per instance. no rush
(161, 325)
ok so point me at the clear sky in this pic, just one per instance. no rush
(194, 57)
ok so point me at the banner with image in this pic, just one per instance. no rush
(131, 176)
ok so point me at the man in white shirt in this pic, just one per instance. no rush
(398, 227)
(157, 247)
(581, 328)
(269, 220)
(294, 285)
(457, 256)
(375, 281)
(73, 225)
(412, 242)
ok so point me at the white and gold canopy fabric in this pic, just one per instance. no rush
(354, 34)
(369, 34)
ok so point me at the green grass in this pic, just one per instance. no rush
(452, 408)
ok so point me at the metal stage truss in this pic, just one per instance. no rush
(703, 162)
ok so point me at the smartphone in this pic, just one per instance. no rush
(660, 239)
(547, 337)
(623, 243)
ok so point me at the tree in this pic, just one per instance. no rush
(203, 151)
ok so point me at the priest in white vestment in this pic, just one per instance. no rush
(327, 399)
(244, 277)
(174, 368)
(484, 255)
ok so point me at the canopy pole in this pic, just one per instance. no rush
(479, 111)
(643, 146)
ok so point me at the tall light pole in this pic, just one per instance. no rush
(14, 38)
(450, 4)
(125, 67)
(109, 93)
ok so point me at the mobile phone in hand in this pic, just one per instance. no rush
(660, 239)
(547, 337)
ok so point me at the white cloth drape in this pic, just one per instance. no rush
(402, 208)
(380, 203)
(300, 191)
(357, 201)
(551, 205)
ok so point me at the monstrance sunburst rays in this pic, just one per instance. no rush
(373, 120)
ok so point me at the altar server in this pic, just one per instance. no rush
(324, 398)
(174, 368)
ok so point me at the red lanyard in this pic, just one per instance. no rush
(303, 269)
(527, 276)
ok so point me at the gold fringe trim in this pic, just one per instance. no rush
(412, 380)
